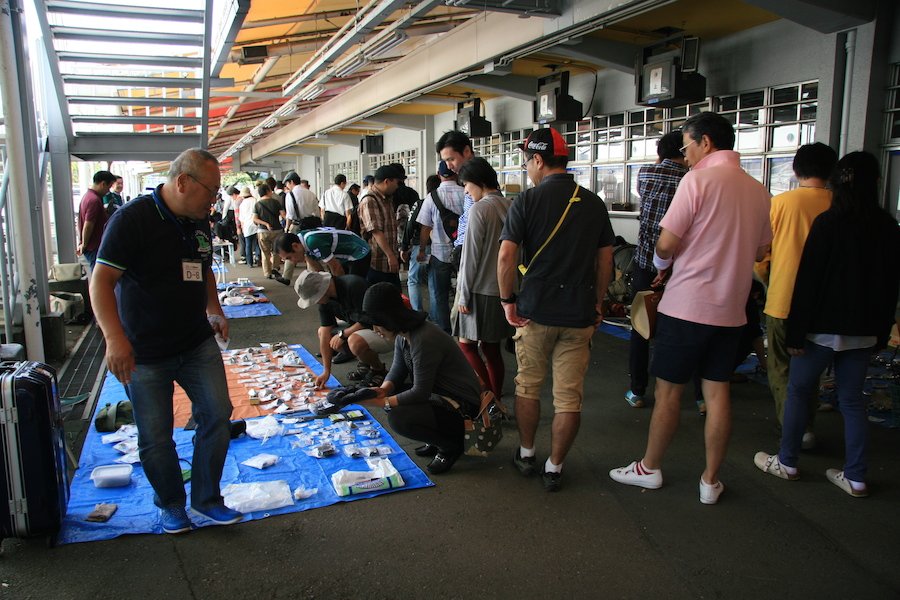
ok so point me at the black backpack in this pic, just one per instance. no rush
(449, 219)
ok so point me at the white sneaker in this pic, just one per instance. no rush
(768, 463)
(809, 441)
(636, 474)
(709, 494)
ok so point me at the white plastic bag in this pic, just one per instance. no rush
(263, 429)
(382, 476)
(261, 461)
(258, 495)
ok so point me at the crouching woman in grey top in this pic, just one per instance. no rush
(445, 389)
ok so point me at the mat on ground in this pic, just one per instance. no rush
(257, 309)
(138, 514)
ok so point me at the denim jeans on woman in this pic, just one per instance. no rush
(201, 373)
(418, 274)
(850, 368)
(440, 275)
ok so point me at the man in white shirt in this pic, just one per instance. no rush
(299, 204)
(451, 196)
(335, 204)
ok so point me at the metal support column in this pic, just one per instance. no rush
(23, 169)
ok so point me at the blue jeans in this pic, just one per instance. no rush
(91, 257)
(440, 274)
(850, 367)
(418, 273)
(251, 249)
(201, 373)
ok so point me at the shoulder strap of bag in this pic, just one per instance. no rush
(522, 268)
(435, 196)
(111, 416)
(296, 208)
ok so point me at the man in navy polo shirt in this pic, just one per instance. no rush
(155, 298)
(567, 240)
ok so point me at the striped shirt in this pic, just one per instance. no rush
(656, 185)
(376, 213)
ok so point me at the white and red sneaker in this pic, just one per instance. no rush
(636, 474)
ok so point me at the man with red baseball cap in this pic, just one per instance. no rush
(566, 238)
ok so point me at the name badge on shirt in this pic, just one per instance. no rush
(191, 270)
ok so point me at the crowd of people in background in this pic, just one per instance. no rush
(532, 272)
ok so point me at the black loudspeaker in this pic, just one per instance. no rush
(690, 54)
(371, 144)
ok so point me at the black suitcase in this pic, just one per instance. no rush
(33, 469)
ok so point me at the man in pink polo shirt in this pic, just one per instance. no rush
(715, 229)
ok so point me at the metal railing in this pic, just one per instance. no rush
(9, 279)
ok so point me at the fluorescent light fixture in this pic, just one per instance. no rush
(286, 109)
(351, 66)
(270, 123)
(385, 45)
(312, 91)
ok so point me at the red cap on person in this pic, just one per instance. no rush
(546, 142)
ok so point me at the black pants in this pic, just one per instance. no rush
(428, 423)
(639, 348)
(359, 267)
(333, 219)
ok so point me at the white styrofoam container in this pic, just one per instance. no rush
(111, 476)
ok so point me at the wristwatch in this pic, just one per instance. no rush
(511, 300)
(387, 403)
(341, 334)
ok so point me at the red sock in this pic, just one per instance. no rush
(497, 370)
(471, 352)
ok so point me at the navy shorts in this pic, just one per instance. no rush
(682, 348)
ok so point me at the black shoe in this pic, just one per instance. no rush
(341, 358)
(276, 272)
(443, 461)
(524, 465)
(283, 280)
(362, 369)
(269, 277)
(551, 481)
(374, 378)
(426, 450)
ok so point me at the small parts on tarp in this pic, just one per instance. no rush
(102, 512)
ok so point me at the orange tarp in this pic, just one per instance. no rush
(239, 393)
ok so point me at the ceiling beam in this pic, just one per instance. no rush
(824, 16)
(125, 101)
(107, 36)
(244, 94)
(401, 121)
(137, 120)
(601, 52)
(182, 62)
(521, 87)
(55, 72)
(342, 139)
(145, 82)
(131, 146)
(124, 11)
(227, 36)
(427, 68)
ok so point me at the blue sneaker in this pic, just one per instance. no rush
(634, 400)
(221, 515)
(174, 520)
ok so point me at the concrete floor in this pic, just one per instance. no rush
(483, 531)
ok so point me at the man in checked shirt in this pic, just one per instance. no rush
(656, 184)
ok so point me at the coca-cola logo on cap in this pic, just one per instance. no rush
(537, 146)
